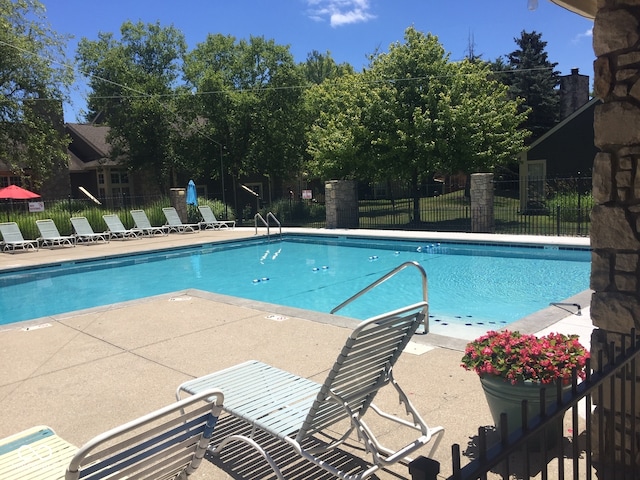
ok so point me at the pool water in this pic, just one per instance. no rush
(487, 286)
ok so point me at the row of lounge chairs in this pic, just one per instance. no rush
(12, 238)
(262, 404)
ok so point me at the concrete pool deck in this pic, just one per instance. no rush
(85, 372)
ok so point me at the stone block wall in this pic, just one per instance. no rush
(482, 219)
(615, 220)
(341, 202)
(178, 199)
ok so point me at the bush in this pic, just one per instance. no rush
(288, 212)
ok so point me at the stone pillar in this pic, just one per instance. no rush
(482, 219)
(341, 203)
(178, 199)
(615, 220)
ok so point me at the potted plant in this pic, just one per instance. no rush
(513, 367)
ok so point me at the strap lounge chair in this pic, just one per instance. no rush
(209, 220)
(116, 229)
(144, 225)
(175, 224)
(84, 232)
(50, 236)
(293, 409)
(169, 443)
(12, 238)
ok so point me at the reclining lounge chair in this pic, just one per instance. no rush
(84, 231)
(12, 238)
(175, 224)
(169, 443)
(144, 225)
(50, 236)
(209, 220)
(293, 409)
(116, 229)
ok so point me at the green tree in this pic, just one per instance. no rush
(531, 76)
(34, 79)
(135, 92)
(413, 113)
(248, 98)
(321, 66)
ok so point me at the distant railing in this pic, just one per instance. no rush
(558, 207)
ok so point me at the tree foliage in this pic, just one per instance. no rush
(411, 114)
(532, 77)
(34, 80)
(248, 98)
(134, 90)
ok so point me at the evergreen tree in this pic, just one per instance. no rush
(531, 76)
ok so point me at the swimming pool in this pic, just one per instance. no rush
(469, 284)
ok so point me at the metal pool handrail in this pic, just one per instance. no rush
(386, 277)
(266, 222)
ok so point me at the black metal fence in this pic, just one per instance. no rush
(560, 206)
(604, 441)
(550, 207)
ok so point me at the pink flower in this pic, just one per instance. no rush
(523, 357)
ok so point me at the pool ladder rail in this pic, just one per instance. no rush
(384, 278)
(266, 222)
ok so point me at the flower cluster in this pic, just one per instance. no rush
(520, 357)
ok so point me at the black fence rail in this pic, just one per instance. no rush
(562, 209)
(601, 413)
(551, 207)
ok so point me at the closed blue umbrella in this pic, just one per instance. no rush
(192, 196)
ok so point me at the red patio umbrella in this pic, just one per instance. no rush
(14, 192)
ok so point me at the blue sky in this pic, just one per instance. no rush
(349, 29)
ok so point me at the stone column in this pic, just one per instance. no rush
(482, 219)
(178, 198)
(615, 220)
(341, 203)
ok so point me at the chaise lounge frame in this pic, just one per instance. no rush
(293, 408)
(210, 222)
(12, 238)
(50, 236)
(168, 443)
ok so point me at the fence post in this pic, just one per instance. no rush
(482, 219)
(423, 468)
(558, 209)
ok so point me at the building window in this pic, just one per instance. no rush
(6, 180)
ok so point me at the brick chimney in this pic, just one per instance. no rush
(574, 92)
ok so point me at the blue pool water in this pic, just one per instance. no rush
(468, 284)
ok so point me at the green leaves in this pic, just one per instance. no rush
(34, 80)
(411, 114)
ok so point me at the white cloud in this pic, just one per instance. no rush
(580, 36)
(340, 12)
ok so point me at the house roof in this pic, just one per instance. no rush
(568, 119)
(94, 135)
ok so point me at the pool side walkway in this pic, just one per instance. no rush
(85, 372)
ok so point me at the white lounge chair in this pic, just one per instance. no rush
(50, 236)
(84, 232)
(293, 409)
(209, 220)
(175, 224)
(12, 238)
(169, 443)
(116, 229)
(143, 224)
